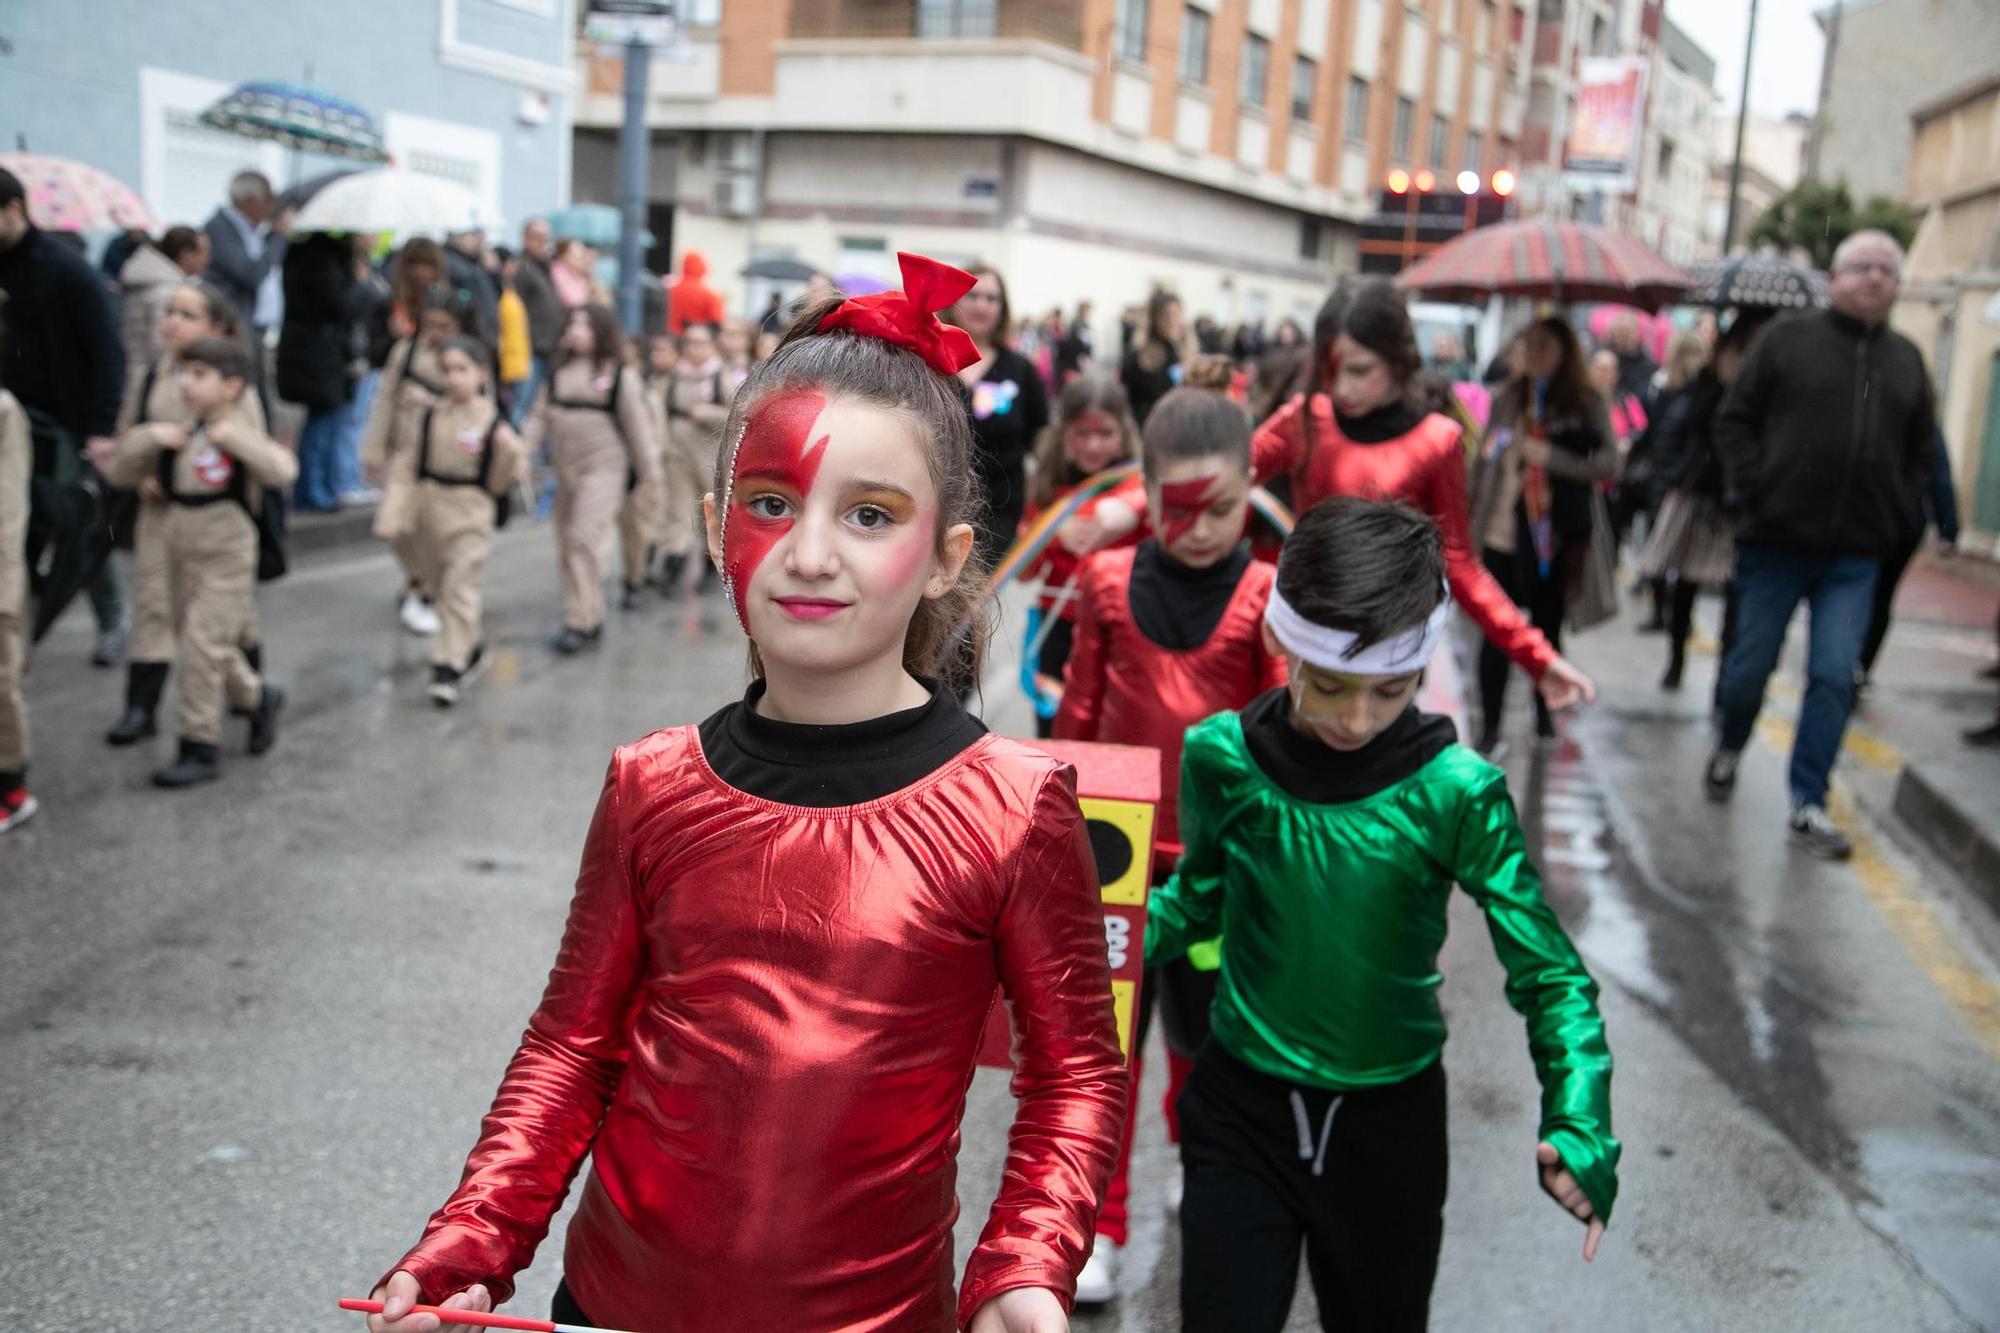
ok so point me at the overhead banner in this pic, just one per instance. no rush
(1605, 137)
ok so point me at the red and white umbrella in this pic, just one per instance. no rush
(70, 196)
(1547, 261)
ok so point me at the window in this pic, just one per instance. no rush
(1130, 34)
(1194, 46)
(1305, 78)
(1475, 150)
(1309, 238)
(956, 18)
(1440, 143)
(1405, 127)
(1482, 36)
(703, 13)
(1254, 88)
(1356, 127)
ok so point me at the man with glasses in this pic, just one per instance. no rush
(1826, 439)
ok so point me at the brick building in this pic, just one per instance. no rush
(1226, 149)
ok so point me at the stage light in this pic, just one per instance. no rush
(1399, 181)
(1503, 182)
(1468, 182)
(1426, 180)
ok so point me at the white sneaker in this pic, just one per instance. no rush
(417, 615)
(1097, 1284)
(1176, 1188)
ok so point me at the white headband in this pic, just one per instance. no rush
(1333, 649)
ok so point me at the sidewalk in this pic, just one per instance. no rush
(1926, 692)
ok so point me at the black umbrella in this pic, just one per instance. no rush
(779, 270)
(1757, 282)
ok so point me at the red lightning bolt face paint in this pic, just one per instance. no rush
(1181, 506)
(772, 457)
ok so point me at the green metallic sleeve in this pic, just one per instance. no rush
(1547, 985)
(1188, 910)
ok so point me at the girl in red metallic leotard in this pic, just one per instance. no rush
(791, 921)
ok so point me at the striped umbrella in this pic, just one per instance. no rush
(1546, 261)
(298, 117)
(69, 196)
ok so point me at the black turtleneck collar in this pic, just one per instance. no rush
(1309, 771)
(1388, 422)
(1854, 327)
(797, 763)
(1177, 606)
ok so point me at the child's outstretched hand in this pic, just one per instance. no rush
(1563, 686)
(1561, 1186)
(401, 1292)
(1022, 1310)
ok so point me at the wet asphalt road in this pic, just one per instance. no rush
(248, 1031)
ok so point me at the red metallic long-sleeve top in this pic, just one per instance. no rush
(1424, 467)
(761, 1027)
(1124, 688)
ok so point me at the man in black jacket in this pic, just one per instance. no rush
(1826, 439)
(537, 290)
(66, 363)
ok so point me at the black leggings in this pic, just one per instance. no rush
(564, 1309)
(1358, 1177)
(1542, 598)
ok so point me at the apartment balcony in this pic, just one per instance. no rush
(1059, 22)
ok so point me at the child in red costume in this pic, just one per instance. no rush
(1094, 429)
(1167, 635)
(1357, 430)
(791, 921)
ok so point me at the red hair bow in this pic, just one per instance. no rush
(909, 318)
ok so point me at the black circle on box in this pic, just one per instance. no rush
(1111, 846)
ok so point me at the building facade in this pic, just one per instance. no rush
(1774, 159)
(1951, 287)
(1885, 58)
(479, 91)
(1663, 206)
(1090, 149)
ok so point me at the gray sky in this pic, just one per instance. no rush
(1785, 76)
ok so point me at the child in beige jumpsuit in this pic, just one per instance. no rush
(696, 406)
(412, 383)
(195, 309)
(467, 459)
(593, 415)
(212, 468)
(16, 464)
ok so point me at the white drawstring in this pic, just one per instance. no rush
(1303, 1122)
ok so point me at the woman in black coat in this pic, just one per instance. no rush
(316, 359)
(1009, 405)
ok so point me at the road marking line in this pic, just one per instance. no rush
(1964, 984)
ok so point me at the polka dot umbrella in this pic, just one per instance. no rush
(298, 117)
(70, 196)
(1757, 282)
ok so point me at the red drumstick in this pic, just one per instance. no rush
(475, 1317)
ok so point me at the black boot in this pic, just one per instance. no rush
(144, 683)
(264, 722)
(570, 641)
(667, 578)
(194, 764)
(634, 598)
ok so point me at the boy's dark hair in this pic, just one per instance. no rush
(178, 241)
(225, 356)
(470, 348)
(11, 189)
(1194, 423)
(1374, 569)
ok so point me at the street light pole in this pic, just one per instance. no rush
(632, 144)
(1742, 119)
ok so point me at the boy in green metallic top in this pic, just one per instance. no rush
(1324, 826)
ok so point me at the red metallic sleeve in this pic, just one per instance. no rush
(1069, 1079)
(1083, 678)
(556, 1087)
(1280, 443)
(1471, 585)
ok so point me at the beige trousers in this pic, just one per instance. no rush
(13, 706)
(690, 474)
(212, 556)
(590, 486)
(151, 637)
(455, 527)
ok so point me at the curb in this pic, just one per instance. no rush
(1941, 800)
(313, 534)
